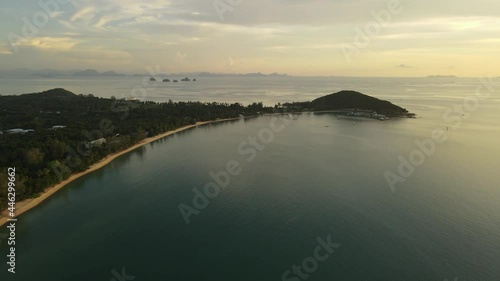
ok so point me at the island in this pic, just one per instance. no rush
(352, 103)
(88, 72)
(93, 73)
(186, 80)
(70, 135)
(442, 76)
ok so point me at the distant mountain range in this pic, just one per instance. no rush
(47, 73)
(442, 76)
(24, 72)
(92, 72)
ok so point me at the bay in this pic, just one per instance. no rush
(320, 177)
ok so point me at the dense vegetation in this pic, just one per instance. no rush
(49, 155)
(46, 156)
(351, 100)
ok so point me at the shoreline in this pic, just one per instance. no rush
(28, 204)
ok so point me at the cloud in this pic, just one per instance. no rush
(232, 62)
(180, 55)
(86, 14)
(100, 55)
(284, 36)
(5, 51)
(404, 66)
(48, 43)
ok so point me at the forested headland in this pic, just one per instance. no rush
(61, 133)
(50, 135)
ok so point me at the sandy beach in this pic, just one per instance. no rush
(28, 204)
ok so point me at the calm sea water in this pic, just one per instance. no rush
(269, 90)
(319, 177)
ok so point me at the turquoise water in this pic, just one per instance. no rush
(319, 177)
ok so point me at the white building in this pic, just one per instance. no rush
(18, 131)
(96, 143)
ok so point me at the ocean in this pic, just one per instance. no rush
(269, 90)
(302, 197)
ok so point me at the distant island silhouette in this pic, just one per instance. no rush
(442, 76)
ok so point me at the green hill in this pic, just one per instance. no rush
(356, 101)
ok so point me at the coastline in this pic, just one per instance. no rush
(28, 204)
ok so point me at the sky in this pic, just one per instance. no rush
(298, 37)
